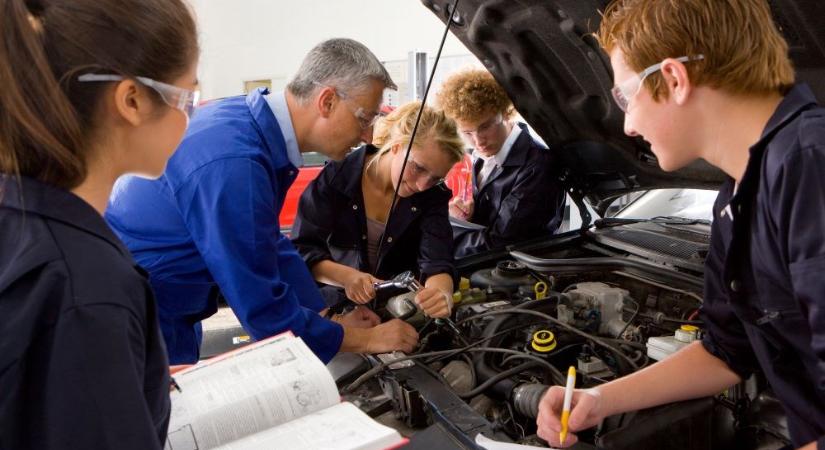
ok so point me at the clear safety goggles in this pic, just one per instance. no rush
(485, 128)
(622, 93)
(419, 171)
(365, 119)
(174, 96)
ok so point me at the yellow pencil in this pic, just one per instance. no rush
(568, 397)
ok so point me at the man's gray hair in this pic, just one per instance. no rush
(341, 63)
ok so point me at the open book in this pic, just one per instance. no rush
(270, 395)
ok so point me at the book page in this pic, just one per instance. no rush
(491, 444)
(248, 390)
(340, 427)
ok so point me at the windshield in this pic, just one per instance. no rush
(687, 203)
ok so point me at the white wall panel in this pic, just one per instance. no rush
(267, 39)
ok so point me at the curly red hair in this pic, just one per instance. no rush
(471, 95)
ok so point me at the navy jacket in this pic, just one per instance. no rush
(331, 224)
(765, 275)
(211, 222)
(82, 360)
(521, 199)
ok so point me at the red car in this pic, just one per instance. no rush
(313, 164)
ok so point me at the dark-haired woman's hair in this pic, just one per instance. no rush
(46, 115)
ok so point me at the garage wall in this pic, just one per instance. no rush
(245, 40)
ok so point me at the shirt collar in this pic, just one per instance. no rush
(502, 154)
(277, 103)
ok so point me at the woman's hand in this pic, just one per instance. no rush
(359, 287)
(434, 302)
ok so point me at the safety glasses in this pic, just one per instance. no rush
(365, 119)
(176, 97)
(485, 128)
(419, 171)
(622, 93)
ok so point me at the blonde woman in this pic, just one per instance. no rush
(342, 216)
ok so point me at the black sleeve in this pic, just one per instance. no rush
(314, 219)
(535, 199)
(798, 194)
(436, 254)
(97, 382)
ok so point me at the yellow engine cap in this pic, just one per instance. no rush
(689, 328)
(463, 284)
(457, 297)
(543, 341)
(540, 289)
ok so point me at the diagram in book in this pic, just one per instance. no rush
(305, 395)
(281, 357)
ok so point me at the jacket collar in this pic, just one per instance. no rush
(348, 178)
(518, 155)
(800, 97)
(270, 130)
(516, 158)
(32, 196)
(797, 100)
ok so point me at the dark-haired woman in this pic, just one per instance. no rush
(91, 90)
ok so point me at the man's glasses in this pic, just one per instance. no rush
(485, 127)
(176, 97)
(622, 93)
(365, 119)
(419, 171)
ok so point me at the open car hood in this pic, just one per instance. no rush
(543, 54)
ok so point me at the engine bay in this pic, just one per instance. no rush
(518, 323)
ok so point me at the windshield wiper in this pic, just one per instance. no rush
(662, 220)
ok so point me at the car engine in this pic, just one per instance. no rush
(520, 321)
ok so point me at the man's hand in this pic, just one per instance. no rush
(359, 287)
(461, 209)
(434, 302)
(390, 336)
(585, 413)
(360, 317)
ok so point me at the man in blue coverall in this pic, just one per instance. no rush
(210, 223)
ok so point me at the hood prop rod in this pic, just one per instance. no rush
(452, 12)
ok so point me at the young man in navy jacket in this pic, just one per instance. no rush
(516, 191)
(712, 80)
